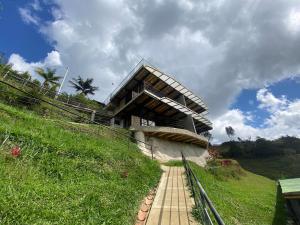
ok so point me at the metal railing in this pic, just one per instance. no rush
(203, 204)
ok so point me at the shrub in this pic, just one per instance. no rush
(225, 169)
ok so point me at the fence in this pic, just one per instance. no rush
(203, 204)
(46, 91)
(29, 97)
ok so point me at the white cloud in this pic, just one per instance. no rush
(293, 20)
(52, 60)
(236, 119)
(28, 17)
(217, 48)
(36, 5)
(268, 101)
(284, 119)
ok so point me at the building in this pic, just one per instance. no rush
(158, 109)
(290, 189)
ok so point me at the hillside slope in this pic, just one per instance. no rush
(246, 199)
(69, 173)
(274, 167)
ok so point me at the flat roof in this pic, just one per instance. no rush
(162, 82)
(290, 187)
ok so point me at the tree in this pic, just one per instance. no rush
(49, 76)
(84, 87)
(230, 132)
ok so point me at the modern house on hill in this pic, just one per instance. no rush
(159, 109)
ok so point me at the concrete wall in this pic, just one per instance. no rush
(165, 150)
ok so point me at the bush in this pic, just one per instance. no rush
(225, 169)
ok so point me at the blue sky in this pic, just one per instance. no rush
(252, 76)
(246, 101)
(19, 37)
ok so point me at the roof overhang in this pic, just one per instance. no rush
(161, 82)
(173, 134)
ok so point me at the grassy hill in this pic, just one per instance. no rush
(69, 173)
(274, 167)
(275, 159)
(242, 197)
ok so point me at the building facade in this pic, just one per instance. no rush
(156, 104)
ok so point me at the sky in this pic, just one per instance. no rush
(241, 57)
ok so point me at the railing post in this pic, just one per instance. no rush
(151, 147)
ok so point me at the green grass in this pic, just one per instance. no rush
(276, 167)
(249, 199)
(173, 163)
(69, 173)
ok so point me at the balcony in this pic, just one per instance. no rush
(145, 97)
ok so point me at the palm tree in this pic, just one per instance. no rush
(49, 76)
(85, 87)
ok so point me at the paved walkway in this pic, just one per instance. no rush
(172, 204)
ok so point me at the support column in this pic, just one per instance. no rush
(93, 116)
(188, 121)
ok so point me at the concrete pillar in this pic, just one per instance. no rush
(188, 121)
(112, 122)
(135, 121)
(93, 116)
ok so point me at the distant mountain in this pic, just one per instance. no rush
(275, 159)
(260, 148)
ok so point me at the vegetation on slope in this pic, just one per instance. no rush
(68, 173)
(260, 148)
(275, 159)
(47, 90)
(276, 167)
(242, 197)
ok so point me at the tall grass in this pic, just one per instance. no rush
(68, 173)
(242, 198)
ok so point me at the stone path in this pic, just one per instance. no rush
(172, 204)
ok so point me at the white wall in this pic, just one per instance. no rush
(165, 150)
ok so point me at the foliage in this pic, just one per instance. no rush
(174, 163)
(69, 173)
(213, 153)
(273, 167)
(249, 200)
(80, 98)
(230, 132)
(49, 77)
(224, 169)
(25, 82)
(260, 148)
(84, 87)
